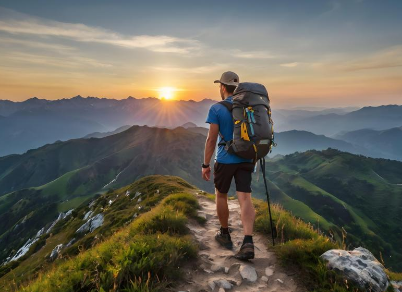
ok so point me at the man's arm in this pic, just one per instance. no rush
(210, 143)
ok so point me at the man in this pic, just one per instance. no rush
(226, 167)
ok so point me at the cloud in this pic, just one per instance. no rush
(387, 58)
(64, 62)
(290, 65)
(18, 23)
(34, 44)
(251, 54)
(194, 70)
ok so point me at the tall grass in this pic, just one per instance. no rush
(144, 256)
(299, 245)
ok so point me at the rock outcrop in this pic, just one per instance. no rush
(358, 266)
(55, 252)
(91, 224)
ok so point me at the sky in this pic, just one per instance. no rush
(307, 53)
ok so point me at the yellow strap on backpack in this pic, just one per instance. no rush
(244, 134)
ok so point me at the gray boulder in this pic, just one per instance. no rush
(91, 224)
(55, 252)
(358, 266)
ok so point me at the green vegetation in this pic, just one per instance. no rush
(299, 246)
(61, 176)
(144, 241)
(338, 193)
(140, 253)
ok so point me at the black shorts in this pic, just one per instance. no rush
(223, 174)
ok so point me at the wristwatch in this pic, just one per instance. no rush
(205, 165)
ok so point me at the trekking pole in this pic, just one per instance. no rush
(262, 163)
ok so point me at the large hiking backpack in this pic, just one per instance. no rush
(253, 133)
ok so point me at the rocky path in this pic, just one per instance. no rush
(217, 270)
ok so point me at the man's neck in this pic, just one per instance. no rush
(226, 96)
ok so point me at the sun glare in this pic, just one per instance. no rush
(166, 92)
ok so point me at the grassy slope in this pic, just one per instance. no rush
(124, 155)
(158, 232)
(299, 246)
(145, 253)
(342, 188)
(39, 166)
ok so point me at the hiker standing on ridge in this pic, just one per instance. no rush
(226, 167)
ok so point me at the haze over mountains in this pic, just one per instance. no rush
(385, 143)
(36, 122)
(376, 118)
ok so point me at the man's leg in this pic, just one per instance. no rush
(247, 212)
(222, 208)
(222, 179)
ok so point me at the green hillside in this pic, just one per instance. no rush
(151, 211)
(73, 171)
(140, 150)
(353, 192)
(336, 191)
(143, 242)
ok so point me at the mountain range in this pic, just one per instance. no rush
(385, 143)
(36, 122)
(377, 118)
(329, 188)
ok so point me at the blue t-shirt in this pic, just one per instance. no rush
(219, 114)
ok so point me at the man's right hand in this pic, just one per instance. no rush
(206, 173)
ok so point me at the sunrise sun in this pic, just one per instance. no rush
(166, 92)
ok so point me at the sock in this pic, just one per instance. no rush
(247, 239)
(225, 230)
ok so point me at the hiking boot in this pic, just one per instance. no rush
(224, 239)
(246, 252)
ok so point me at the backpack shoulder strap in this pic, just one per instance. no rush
(227, 104)
(229, 107)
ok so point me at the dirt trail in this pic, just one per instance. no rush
(216, 269)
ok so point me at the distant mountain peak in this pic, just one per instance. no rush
(34, 100)
(188, 125)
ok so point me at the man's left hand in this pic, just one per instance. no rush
(206, 173)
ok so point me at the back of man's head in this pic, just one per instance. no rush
(229, 88)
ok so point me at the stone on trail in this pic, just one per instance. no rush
(248, 273)
(264, 278)
(226, 270)
(211, 285)
(358, 266)
(269, 271)
(216, 268)
(221, 290)
(223, 283)
(234, 265)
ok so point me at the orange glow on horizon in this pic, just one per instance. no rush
(167, 93)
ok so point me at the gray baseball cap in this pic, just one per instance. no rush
(229, 78)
